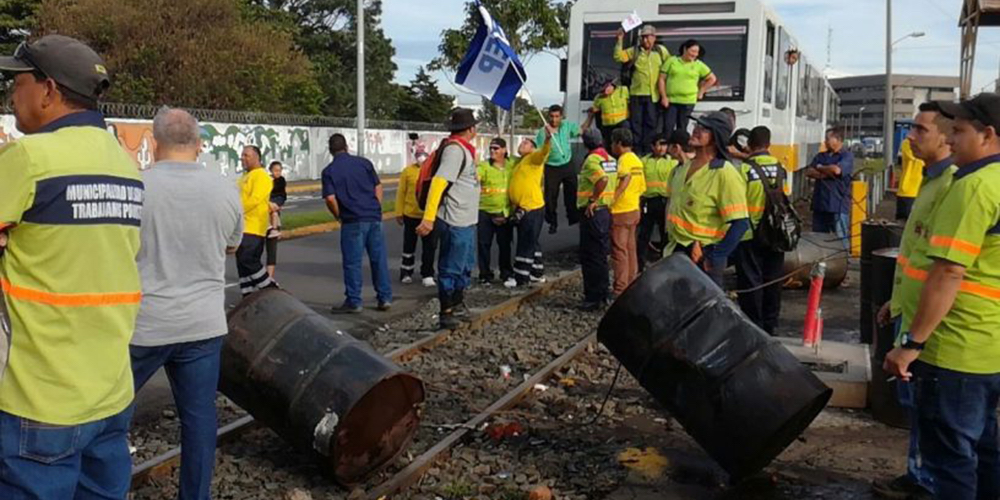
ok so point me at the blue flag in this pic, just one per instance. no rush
(491, 67)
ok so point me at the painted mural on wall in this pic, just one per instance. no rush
(302, 150)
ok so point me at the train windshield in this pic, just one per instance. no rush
(724, 44)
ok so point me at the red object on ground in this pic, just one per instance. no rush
(810, 332)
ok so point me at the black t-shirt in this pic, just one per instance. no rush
(279, 188)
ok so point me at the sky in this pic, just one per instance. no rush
(857, 47)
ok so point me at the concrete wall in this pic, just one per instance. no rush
(303, 150)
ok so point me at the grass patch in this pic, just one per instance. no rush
(872, 165)
(302, 219)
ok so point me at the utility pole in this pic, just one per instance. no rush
(829, 47)
(360, 19)
(889, 115)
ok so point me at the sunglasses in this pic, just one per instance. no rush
(23, 53)
(495, 148)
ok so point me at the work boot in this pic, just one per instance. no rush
(591, 305)
(901, 488)
(346, 308)
(458, 304)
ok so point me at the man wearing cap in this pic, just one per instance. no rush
(409, 217)
(612, 105)
(494, 209)
(708, 216)
(832, 170)
(657, 168)
(452, 212)
(527, 204)
(645, 62)
(71, 209)
(597, 190)
(950, 335)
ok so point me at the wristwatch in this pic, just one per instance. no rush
(909, 343)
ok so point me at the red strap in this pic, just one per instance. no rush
(602, 153)
(467, 144)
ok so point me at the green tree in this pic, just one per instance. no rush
(422, 101)
(17, 21)
(326, 30)
(193, 53)
(527, 115)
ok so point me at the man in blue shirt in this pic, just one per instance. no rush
(559, 169)
(353, 194)
(832, 170)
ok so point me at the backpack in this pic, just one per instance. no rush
(430, 168)
(781, 227)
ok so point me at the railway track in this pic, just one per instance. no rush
(466, 388)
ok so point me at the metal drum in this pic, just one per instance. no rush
(881, 392)
(875, 235)
(812, 248)
(323, 391)
(739, 393)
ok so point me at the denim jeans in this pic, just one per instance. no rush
(456, 258)
(914, 461)
(833, 223)
(356, 238)
(193, 371)
(956, 414)
(80, 462)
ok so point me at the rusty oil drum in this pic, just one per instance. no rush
(738, 392)
(812, 248)
(322, 390)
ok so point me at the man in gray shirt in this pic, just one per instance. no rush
(452, 212)
(191, 218)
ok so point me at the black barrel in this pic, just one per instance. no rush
(812, 248)
(739, 393)
(875, 235)
(881, 392)
(323, 391)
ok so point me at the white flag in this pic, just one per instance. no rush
(632, 22)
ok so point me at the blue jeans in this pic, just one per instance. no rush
(193, 370)
(914, 462)
(356, 238)
(833, 223)
(80, 462)
(956, 413)
(456, 258)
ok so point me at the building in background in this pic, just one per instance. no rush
(862, 99)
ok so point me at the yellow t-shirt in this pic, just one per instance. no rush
(69, 276)
(525, 189)
(406, 193)
(630, 165)
(255, 193)
(912, 175)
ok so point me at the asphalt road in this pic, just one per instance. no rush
(310, 269)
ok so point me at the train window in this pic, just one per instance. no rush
(724, 42)
(805, 71)
(697, 8)
(769, 63)
(784, 71)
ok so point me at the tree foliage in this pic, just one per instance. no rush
(17, 20)
(532, 26)
(423, 102)
(326, 30)
(193, 53)
(527, 115)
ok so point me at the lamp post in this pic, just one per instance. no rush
(360, 19)
(890, 116)
(861, 124)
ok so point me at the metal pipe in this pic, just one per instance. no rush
(360, 19)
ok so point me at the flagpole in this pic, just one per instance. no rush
(524, 85)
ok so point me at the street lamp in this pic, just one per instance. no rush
(861, 124)
(915, 34)
(890, 116)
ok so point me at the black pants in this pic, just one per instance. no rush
(565, 177)
(271, 247)
(644, 116)
(595, 244)
(252, 274)
(485, 233)
(716, 274)
(410, 248)
(903, 207)
(528, 256)
(676, 117)
(756, 265)
(654, 215)
(606, 132)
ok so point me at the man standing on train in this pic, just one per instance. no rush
(644, 62)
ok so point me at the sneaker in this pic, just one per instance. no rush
(346, 308)
(553, 228)
(384, 306)
(485, 281)
(539, 280)
(510, 283)
(902, 488)
(429, 282)
(448, 321)
(407, 280)
(588, 306)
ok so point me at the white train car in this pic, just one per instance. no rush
(746, 45)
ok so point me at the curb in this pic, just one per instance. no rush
(302, 232)
(317, 186)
